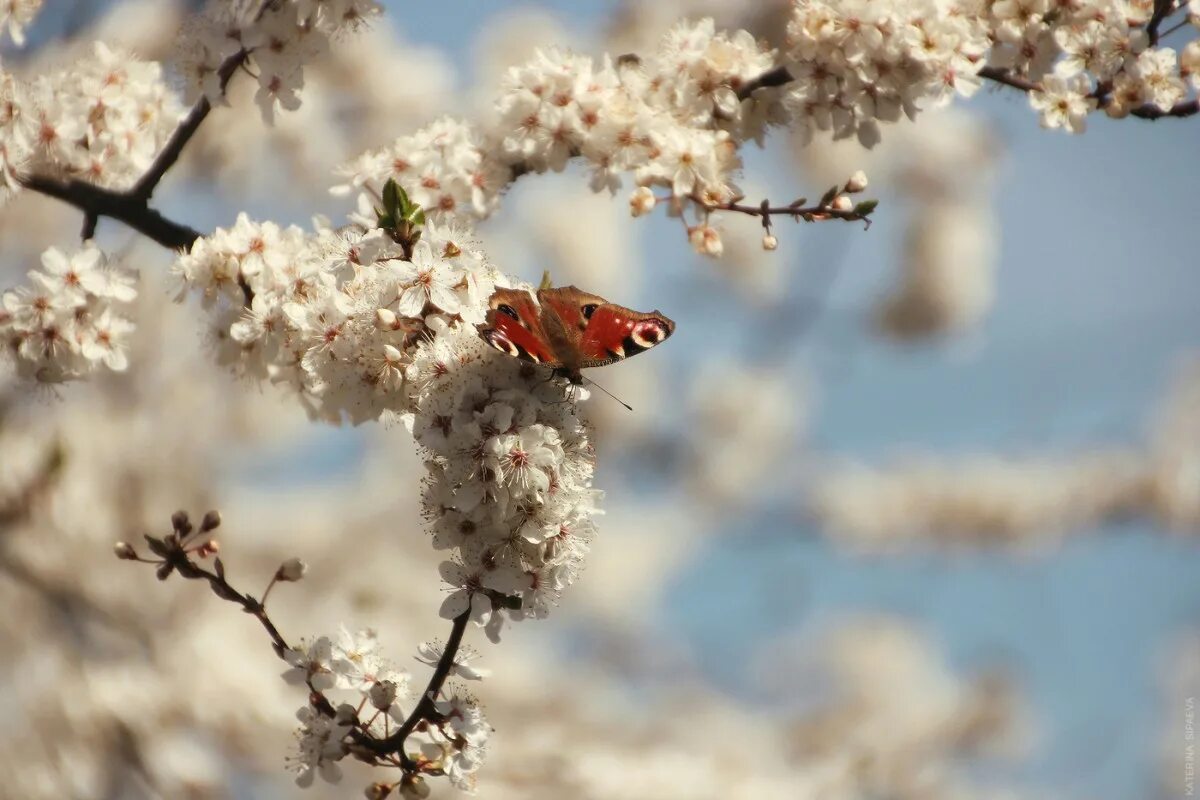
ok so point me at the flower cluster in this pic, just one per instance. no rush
(102, 121)
(674, 120)
(15, 15)
(445, 168)
(275, 38)
(859, 63)
(454, 744)
(352, 663)
(364, 331)
(69, 320)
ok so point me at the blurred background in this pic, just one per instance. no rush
(909, 512)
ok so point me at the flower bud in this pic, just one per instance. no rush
(642, 201)
(857, 182)
(385, 319)
(382, 694)
(770, 242)
(414, 787)
(291, 570)
(125, 551)
(211, 547)
(706, 240)
(180, 522)
(841, 203)
(377, 791)
(211, 521)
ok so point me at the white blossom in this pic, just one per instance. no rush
(1063, 102)
(71, 319)
(320, 745)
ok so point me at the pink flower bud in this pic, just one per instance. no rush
(125, 551)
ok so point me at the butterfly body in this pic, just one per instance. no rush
(568, 329)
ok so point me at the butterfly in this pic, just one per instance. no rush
(569, 329)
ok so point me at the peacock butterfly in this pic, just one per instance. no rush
(568, 329)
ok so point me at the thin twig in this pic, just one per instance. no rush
(175, 557)
(815, 213)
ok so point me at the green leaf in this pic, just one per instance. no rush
(827, 198)
(865, 207)
(393, 197)
(414, 215)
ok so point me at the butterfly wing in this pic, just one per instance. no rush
(513, 326)
(600, 332)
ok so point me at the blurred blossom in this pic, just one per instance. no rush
(1034, 501)
(750, 417)
(946, 282)
(879, 676)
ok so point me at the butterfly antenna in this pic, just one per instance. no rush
(610, 394)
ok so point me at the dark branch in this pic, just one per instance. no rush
(125, 207)
(775, 77)
(145, 186)
(425, 709)
(1162, 9)
(1005, 77)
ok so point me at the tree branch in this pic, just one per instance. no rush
(175, 551)
(145, 186)
(95, 202)
(1162, 9)
(425, 709)
(775, 77)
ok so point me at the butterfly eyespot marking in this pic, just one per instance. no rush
(505, 308)
(647, 334)
(588, 310)
(498, 341)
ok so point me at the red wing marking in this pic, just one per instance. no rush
(615, 332)
(519, 336)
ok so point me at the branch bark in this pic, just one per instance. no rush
(95, 202)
